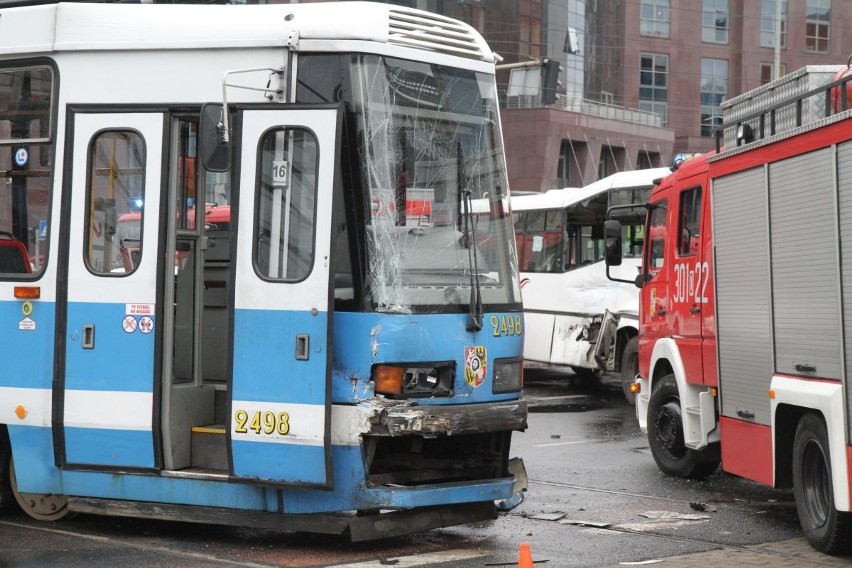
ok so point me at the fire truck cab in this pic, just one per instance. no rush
(745, 319)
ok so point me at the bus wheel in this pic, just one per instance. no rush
(665, 436)
(630, 368)
(38, 506)
(823, 525)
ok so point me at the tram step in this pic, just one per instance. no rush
(208, 450)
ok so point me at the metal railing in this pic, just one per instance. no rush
(587, 107)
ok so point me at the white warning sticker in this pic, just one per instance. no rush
(139, 309)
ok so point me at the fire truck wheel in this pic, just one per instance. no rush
(629, 368)
(826, 528)
(665, 435)
(38, 506)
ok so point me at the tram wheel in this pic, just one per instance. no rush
(39, 506)
(5, 456)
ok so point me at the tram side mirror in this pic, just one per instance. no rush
(612, 242)
(214, 142)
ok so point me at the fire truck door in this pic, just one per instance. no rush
(280, 413)
(653, 318)
(689, 281)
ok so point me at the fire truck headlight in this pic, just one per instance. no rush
(508, 375)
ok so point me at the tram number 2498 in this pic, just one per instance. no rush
(510, 324)
(262, 422)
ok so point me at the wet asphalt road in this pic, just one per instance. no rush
(595, 498)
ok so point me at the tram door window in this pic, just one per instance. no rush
(116, 192)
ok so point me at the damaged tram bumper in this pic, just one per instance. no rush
(414, 452)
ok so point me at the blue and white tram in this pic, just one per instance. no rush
(273, 312)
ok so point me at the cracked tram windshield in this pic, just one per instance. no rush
(434, 200)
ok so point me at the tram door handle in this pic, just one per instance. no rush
(303, 347)
(89, 336)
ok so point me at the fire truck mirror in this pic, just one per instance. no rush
(612, 242)
(641, 279)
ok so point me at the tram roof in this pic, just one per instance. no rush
(33, 27)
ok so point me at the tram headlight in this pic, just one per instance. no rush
(388, 379)
(415, 380)
(508, 375)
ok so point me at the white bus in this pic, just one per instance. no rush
(574, 315)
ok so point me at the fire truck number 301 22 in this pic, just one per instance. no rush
(691, 282)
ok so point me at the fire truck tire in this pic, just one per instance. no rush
(629, 368)
(665, 436)
(826, 528)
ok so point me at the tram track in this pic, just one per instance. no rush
(718, 504)
(760, 548)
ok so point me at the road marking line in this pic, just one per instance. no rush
(567, 443)
(140, 546)
(419, 560)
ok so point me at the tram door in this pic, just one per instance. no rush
(279, 423)
(108, 292)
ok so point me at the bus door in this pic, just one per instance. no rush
(280, 407)
(106, 386)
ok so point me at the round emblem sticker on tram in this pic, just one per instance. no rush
(475, 365)
(21, 157)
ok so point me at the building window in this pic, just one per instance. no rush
(714, 21)
(714, 89)
(654, 18)
(654, 84)
(768, 18)
(817, 25)
(767, 72)
(647, 160)
(564, 168)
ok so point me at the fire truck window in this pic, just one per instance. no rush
(116, 198)
(285, 205)
(690, 222)
(657, 236)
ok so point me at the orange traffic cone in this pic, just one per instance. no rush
(525, 556)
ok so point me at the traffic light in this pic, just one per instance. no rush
(550, 82)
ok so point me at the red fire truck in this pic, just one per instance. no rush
(745, 340)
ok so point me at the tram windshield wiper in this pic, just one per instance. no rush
(469, 241)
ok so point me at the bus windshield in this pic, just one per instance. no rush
(428, 147)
